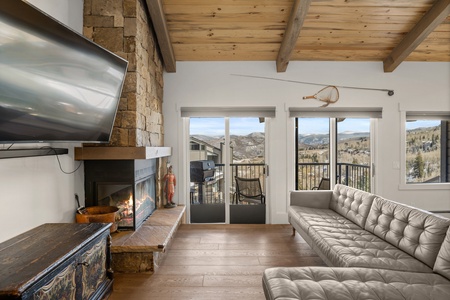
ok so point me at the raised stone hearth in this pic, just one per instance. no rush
(141, 251)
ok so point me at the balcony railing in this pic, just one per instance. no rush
(310, 174)
(212, 192)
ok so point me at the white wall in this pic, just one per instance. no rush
(68, 12)
(418, 86)
(33, 190)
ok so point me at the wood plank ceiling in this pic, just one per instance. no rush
(390, 31)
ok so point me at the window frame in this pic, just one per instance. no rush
(333, 155)
(427, 115)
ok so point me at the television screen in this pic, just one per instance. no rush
(55, 85)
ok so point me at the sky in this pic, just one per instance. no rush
(422, 123)
(216, 126)
(244, 126)
(322, 125)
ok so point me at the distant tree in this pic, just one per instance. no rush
(418, 166)
(435, 138)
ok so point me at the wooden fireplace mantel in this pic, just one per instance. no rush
(121, 153)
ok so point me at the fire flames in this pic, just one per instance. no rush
(129, 206)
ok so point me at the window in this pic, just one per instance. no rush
(427, 157)
(195, 146)
(351, 144)
(353, 158)
(334, 144)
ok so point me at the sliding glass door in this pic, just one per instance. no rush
(231, 147)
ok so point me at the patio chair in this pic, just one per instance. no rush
(249, 190)
(323, 185)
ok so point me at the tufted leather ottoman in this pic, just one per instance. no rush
(352, 283)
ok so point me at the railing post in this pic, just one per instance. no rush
(346, 175)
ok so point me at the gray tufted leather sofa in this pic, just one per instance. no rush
(375, 249)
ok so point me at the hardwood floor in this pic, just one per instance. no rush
(215, 262)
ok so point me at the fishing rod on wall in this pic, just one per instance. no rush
(389, 91)
(329, 94)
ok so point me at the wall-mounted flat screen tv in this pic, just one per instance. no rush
(55, 85)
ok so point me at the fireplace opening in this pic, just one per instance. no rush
(135, 203)
(128, 185)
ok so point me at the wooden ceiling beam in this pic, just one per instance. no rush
(435, 16)
(292, 32)
(158, 17)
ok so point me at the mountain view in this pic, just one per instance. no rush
(321, 139)
(353, 147)
(422, 150)
(250, 148)
(246, 148)
(423, 154)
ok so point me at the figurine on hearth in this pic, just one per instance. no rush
(170, 182)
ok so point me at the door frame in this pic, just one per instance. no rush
(185, 133)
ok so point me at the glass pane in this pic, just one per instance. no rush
(207, 136)
(247, 145)
(313, 155)
(353, 153)
(423, 152)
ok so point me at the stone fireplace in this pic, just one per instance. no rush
(124, 28)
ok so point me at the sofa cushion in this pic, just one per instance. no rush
(442, 265)
(352, 283)
(356, 247)
(417, 232)
(306, 217)
(351, 203)
(345, 244)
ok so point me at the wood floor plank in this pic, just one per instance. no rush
(259, 246)
(239, 239)
(211, 261)
(212, 270)
(216, 261)
(291, 261)
(236, 281)
(193, 246)
(191, 293)
(159, 280)
(244, 252)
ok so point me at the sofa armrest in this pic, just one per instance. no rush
(313, 199)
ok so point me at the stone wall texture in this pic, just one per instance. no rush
(124, 28)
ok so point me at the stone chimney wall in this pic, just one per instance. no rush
(124, 28)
